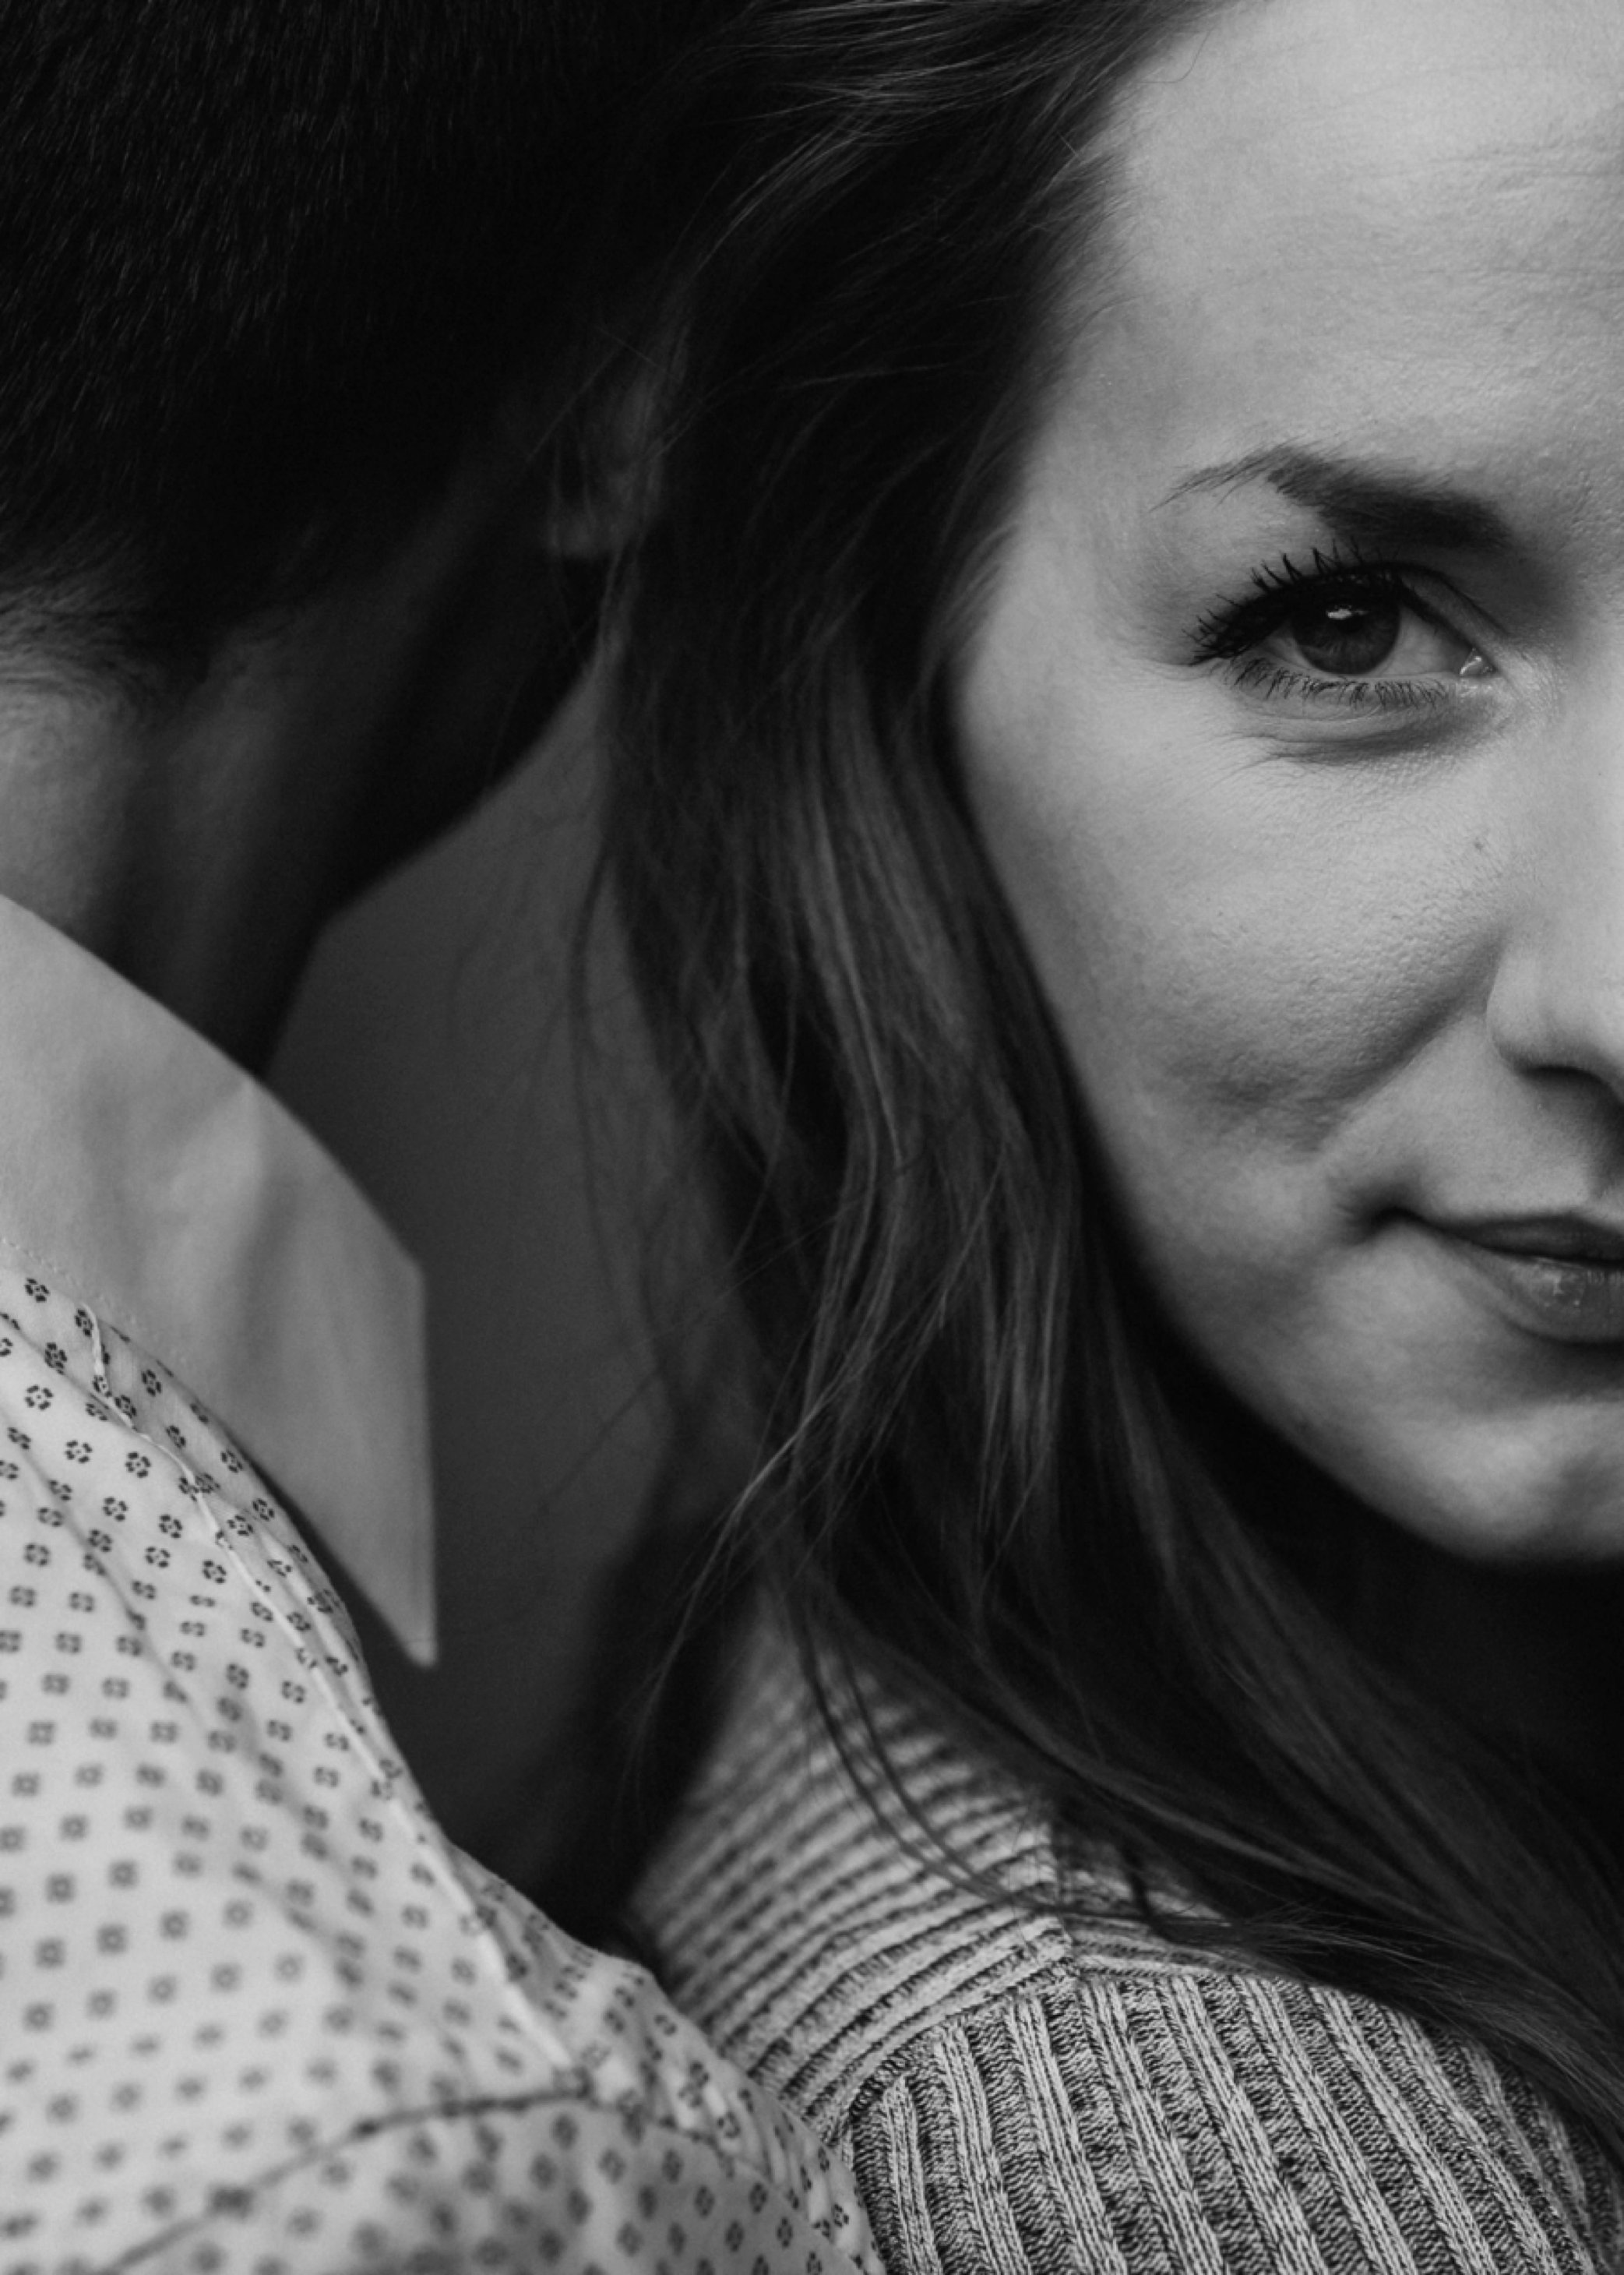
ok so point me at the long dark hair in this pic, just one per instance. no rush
(986, 1470)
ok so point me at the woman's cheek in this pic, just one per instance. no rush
(1241, 948)
(1251, 1017)
(1228, 983)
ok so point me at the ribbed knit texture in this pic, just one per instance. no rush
(1019, 2092)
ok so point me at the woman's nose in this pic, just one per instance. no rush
(1556, 1002)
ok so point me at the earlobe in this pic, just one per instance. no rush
(509, 644)
(595, 468)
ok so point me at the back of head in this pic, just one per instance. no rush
(265, 265)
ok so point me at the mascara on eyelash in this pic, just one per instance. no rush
(1232, 626)
(1262, 675)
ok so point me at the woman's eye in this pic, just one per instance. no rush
(1353, 635)
(1357, 640)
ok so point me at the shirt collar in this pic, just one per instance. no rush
(146, 1175)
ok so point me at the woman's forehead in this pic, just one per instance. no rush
(1390, 226)
(1389, 85)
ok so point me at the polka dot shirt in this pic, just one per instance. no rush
(257, 2015)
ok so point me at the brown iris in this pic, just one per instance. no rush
(1349, 636)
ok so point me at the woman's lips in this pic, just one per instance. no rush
(1562, 1277)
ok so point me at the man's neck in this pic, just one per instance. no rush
(186, 849)
(197, 846)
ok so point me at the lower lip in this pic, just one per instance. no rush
(1562, 1298)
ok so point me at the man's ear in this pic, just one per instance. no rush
(518, 624)
(497, 662)
(600, 475)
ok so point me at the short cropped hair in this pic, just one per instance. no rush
(265, 267)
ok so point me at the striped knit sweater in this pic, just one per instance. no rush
(1018, 2093)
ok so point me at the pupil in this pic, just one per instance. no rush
(1349, 638)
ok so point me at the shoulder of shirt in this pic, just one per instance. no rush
(1137, 2102)
(236, 1945)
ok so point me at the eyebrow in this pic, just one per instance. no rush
(1360, 502)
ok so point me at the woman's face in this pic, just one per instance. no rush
(1295, 727)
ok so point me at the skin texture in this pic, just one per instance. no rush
(1338, 970)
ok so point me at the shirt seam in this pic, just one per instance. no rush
(389, 1777)
(64, 1281)
(236, 2200)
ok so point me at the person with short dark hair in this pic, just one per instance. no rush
(294, 295)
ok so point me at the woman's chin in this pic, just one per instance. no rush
(1479, 1404)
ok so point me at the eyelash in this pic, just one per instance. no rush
(1227, 631)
